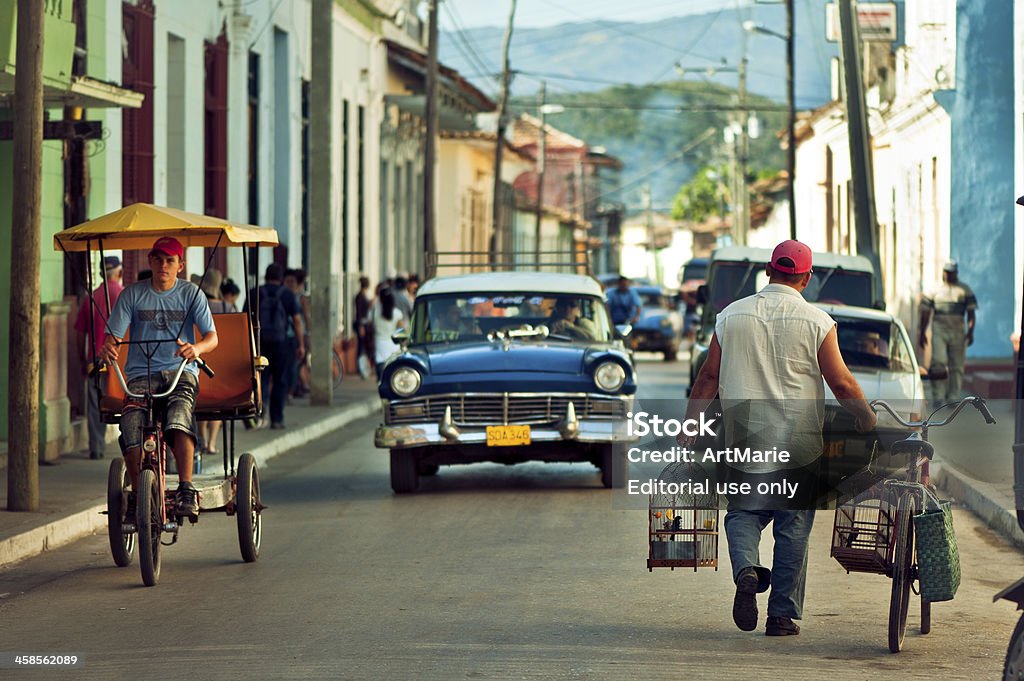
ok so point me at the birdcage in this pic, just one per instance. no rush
(682, 526)
(863, 531)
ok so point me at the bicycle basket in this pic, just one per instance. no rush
(682, 528)
(863, 530)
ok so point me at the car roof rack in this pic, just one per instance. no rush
(576, 261)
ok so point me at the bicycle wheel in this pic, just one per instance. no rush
(149, 525)
(337, 369)
(902, 571)
(248, 508)
(122, 544)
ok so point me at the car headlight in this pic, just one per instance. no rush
(405, 381)
(609, 376)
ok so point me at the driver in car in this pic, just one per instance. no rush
(450, 325)
(160, 310)
(565, 320)
(871, 343)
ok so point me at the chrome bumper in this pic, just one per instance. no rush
(425, 434)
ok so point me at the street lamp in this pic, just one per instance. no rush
(751, 27)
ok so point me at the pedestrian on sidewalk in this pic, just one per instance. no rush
(944, 308)
(278, 309)
(363, 328)
(386, 319)
(767, 360)
(402, 298)
(213, 288)
(96, 331)
(298, 385)
(623, 303)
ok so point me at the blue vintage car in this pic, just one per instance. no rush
(660, 327)
(506, 367)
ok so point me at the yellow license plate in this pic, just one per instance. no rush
(507, 436)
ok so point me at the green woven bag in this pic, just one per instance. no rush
(938, 559)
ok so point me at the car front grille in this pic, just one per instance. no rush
(497, 409)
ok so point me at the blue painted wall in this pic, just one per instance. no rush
(982, 202)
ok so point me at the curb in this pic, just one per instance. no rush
(71, 528)
(981, 498)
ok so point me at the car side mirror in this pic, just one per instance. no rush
(702, 294)
(623, 330)
(400, 337)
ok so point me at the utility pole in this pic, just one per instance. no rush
(860, 139)
(541, 162)
(430, 146)
(652, 243)
(23, 363)
(323, 205)
(743, 152)
(791, 100)
(498, 228)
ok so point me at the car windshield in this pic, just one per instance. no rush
(482, 316)
(695, 270)
(732, 281)
(651, 299)
(872, 344)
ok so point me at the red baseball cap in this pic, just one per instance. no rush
(792, 257)
(168, 245)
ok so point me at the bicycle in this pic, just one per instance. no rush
(890, 534)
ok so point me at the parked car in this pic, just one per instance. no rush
(877, 349)
(612, 279)
(506, 367)
(660, 327)
(738, 271)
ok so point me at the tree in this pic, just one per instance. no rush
(701, 197)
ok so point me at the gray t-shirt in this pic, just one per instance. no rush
(159, 316)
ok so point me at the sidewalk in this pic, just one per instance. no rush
(974, 465)
(72, 491)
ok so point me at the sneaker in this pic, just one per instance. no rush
(277, 426)
(744, 604)
(187, 499)
(781, 626)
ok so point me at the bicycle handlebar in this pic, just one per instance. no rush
(174, 383)
(976, 402)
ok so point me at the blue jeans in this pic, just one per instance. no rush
(788, 574)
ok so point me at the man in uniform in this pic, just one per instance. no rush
(945, 308)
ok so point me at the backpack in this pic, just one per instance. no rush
(273, 316)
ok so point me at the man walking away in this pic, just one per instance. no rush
(623, 303)
(945, 308)
(97, 332)
(278, 309)
(767, 359)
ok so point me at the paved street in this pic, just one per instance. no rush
(489, 572)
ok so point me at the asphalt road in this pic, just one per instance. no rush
(489, 572)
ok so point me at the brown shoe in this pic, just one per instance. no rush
(744, 604)
(781, 626)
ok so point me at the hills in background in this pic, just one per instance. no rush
(621, 90)
(586, 55)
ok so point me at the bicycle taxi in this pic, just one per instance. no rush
(229, 390)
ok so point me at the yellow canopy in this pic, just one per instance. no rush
(137, 226)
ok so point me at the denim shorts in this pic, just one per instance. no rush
(178, 415)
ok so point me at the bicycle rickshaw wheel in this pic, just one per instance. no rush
(926, 617)
(149, 526)
(248, 508)
(902, 566)
(1013, 665)
(122, 544)
(337, 368)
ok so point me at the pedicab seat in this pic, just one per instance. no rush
(234, 393)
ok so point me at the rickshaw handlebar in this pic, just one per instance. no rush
(976, 402)
(174, 383)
